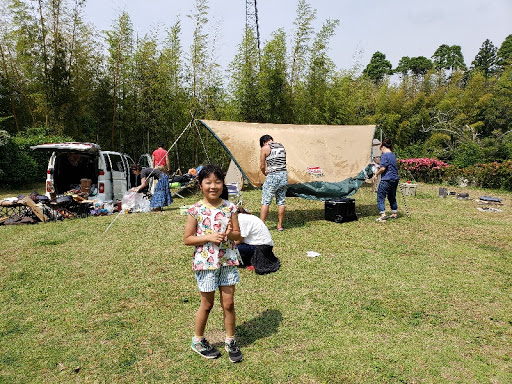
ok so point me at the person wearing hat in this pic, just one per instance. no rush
(160, 159)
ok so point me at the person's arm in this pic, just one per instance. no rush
(382, 167)
(142, 185)
(167, 162)
(265, 151)
(190, 238)
(233, 229)
(380, 170)
(153, 160)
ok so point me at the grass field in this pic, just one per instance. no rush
(425, 299)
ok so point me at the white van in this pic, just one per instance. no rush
(108, 171)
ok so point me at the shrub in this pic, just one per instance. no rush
(493, 175)
(467, 154)
(19, 165)
(410, 151)
(437, 145)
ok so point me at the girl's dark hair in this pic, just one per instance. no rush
(241, 209)
(208, 169)
(225, 193)
(387, 143)
(264, 139)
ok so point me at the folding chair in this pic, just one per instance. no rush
(184, 187)
(234, 182)
(235, 193)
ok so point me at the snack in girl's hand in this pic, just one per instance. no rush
(224, 224)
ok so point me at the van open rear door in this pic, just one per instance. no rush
(68, 163)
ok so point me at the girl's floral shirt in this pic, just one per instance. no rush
(209, 220)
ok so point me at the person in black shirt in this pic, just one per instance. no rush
(161, 196)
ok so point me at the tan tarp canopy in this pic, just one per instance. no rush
(325, 153)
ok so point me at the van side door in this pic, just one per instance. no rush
(130, 177)
(119, 175)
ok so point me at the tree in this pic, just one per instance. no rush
(273, 87)
(120, 64)
(244, 79)
(485, 59)
(321, 70)
(300, 47)
(172, 99)
(420, 65)
(198, 63)
(404, 66)
(378, 67)
(146, 89)
(448, 58)
(504, 54)
(85, 70)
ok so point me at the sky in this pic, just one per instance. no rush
(396, 28)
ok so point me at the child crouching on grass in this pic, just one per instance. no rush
(212, 227)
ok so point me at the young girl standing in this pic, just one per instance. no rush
(212, 227)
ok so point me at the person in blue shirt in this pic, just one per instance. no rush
(388, 182)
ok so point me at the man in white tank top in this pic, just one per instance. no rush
(273, 166)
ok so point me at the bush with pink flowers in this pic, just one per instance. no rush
(490, 175)
(424, 169)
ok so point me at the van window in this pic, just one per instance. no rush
(117, 162)
(107, 162)
(144, 161)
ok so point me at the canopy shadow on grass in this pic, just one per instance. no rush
(262, 326)
(300, 217)
(367, 210)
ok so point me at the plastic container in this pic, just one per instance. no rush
(409, 189)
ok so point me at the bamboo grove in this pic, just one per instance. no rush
(127, 92)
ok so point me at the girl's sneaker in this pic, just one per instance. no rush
(235, 355)
(204, 348)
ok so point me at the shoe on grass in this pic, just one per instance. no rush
(382, 218)
(235, 355)
(204, 348)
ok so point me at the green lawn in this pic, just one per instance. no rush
(425, 299)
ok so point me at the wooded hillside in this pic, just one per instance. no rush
(128, 93)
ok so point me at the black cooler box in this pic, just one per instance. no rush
(340, 210)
